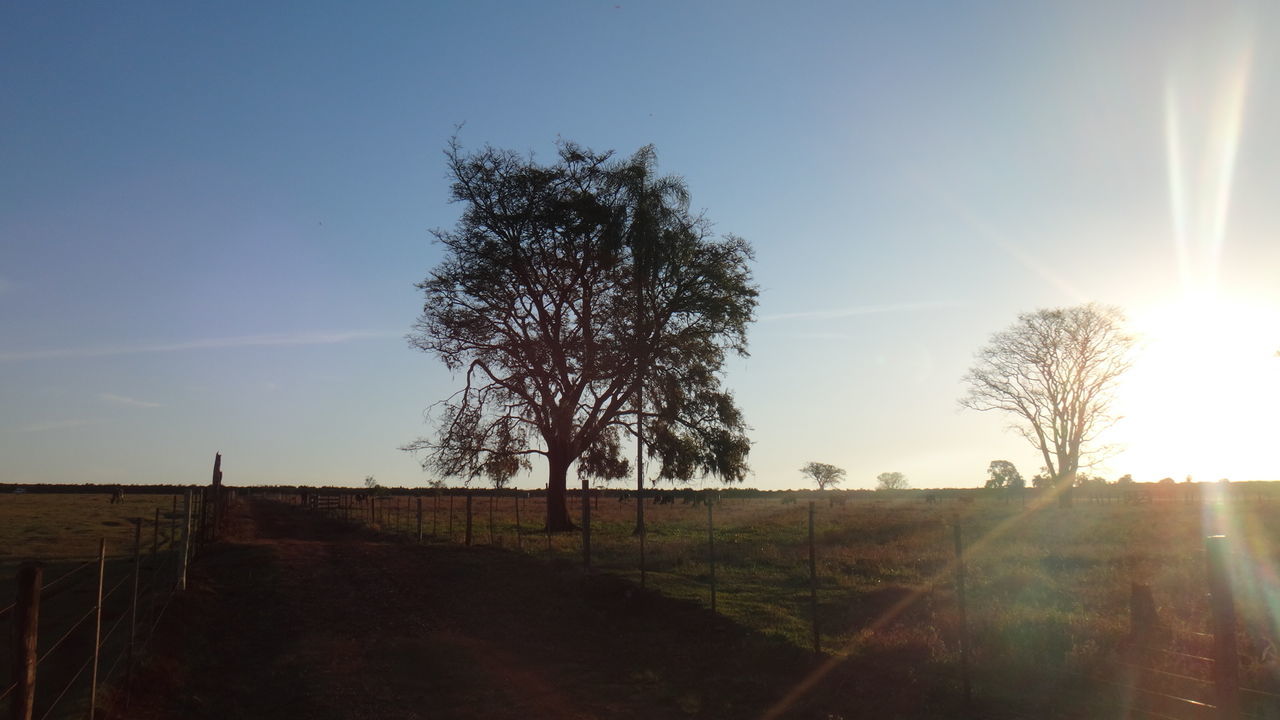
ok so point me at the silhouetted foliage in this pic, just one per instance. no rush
(892, 481)
(1002, 474)
(562, 288)
(1055, 371)
(823, 474)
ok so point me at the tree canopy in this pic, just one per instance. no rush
(892, 481)
(566, 291)
(1003, 474)
(1055, 371)
(823, 474)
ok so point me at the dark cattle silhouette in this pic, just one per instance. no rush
(117, 495)
(664, 499)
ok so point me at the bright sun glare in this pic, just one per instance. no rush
(1201, 397)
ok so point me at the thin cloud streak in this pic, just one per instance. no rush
(243, 341)
(54, 425)
(126, 400)
(856, 311)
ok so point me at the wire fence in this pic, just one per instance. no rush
(85, 630)
(696, 545)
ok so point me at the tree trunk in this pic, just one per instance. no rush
(557, 494)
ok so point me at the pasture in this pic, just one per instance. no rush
(1049, 589)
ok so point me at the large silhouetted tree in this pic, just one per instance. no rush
(1055, 371)
(825, 475)
(563, 287)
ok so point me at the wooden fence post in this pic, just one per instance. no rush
(813, 582)
(97, 630)
(419, 519)
(586, 526)
(1226, 660)
(468, 540)
(26, 624)
(711, 553)
(964, 621)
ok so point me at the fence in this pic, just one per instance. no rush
(86, 628)
(956, 597)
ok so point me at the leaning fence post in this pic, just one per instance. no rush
(711, 553)
(1226, 662)
(468, 539)
(813, 582)
(97, 630)
(586, 526)
(964, 621)
(26, 624)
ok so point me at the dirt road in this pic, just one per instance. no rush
(297, 616)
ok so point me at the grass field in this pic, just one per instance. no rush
(1048, 588)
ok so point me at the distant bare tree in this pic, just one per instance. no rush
(1055, 370)
(892, 481)
(823, 474)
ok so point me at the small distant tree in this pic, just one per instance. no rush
(892, 481)
(823, 474)
(370, 483)
(1002, 474)
(1166, 481)
(1125, 479)
(1042, 479)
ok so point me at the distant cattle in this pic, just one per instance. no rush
(788, 499)
(624, 497)
(117, 495)
(664, 499)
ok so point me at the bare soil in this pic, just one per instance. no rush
(299, 616)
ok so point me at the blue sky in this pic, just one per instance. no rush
(212, 217)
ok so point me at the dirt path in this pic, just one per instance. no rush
(301, 617)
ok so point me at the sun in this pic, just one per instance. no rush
(1203, 395)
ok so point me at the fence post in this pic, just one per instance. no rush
(711, 552)
(133, 608)
(419, 519)
(26, 622)
(492, 498)
(1226, 662)
(155, 536)
(97, 630)
(586, 526)
(813, 582)
(964, 620)
(186, 541)
(519, 531)
(451, 517)
(468, 519)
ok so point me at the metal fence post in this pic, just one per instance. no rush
(97, 630)
(813, 582)
(586, 526)
(468, 519)
(711, 553)
(26, 624)
(1226, 660)
(964, 621)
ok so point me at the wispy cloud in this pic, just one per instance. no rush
(272, 340)
(855, 311)
(53, 425)
(125, 400)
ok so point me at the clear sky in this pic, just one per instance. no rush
(212, 216)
